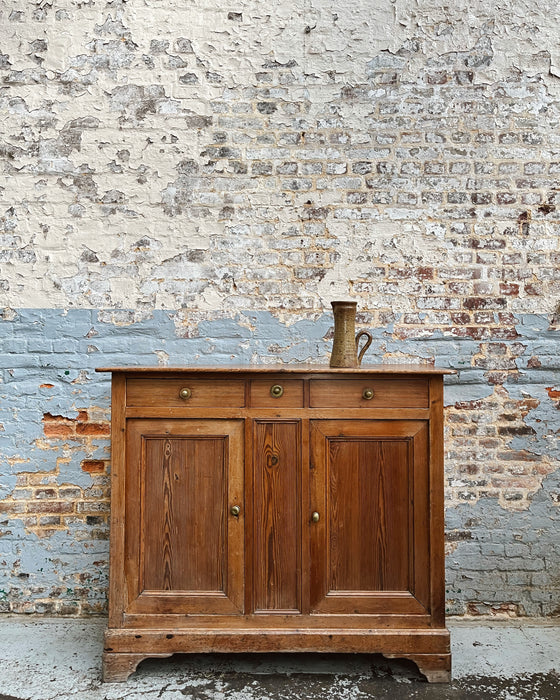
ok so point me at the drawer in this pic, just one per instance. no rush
(352, 393)
(277, 393)
(186, 392)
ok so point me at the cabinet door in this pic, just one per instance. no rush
(184, 546)
(369, 487)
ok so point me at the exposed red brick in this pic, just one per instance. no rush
(421, 273)
(58, 430)
(497, 377)
(484, 303)
(509, 289)
(474, 332)
(49, 507)
(483, 317)
(503, 333)
(99, 429)
(93, 466)
(460, 318)
(57, 426)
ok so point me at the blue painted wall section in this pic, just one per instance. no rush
(502, 423)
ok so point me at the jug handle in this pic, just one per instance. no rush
(366, 346)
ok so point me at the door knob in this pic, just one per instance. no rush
(315, 517)
(235, 510)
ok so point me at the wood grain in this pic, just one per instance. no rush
(435, 536)
(368, 514)
(292, 396)
(183, 546)
(184, 513)
(276, 528)
(387, 393)
(399, 642)
(117, 575)
(166, 392)
(294, 369)
(363, 480)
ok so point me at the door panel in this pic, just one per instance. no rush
(363, 548)
(185, 549)
(368, 514)
(277, 516)
(184, 505)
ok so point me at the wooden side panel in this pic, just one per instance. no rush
(368, 514)
(117, 587)
(435, 535)
(184, 513)
(276, 508)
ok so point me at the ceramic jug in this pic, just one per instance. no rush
(346, 342)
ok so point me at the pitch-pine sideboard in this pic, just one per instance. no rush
(277, 509)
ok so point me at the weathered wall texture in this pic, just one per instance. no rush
(193, 182)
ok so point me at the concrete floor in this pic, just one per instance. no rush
(43, 659)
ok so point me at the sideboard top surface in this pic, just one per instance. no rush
(284, 368)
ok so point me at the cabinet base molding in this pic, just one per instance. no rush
(118, 667)
(435, 667)
(428, 649)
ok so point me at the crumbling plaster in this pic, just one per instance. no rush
(111, 138)
(185, 182)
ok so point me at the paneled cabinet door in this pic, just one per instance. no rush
(184, 534)
(370, 516)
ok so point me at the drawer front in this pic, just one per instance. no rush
(375, 392)
(186, 392)
(277, 393)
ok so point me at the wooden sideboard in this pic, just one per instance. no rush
(277, 509)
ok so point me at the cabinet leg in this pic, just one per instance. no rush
(117, 667)
(436, 667)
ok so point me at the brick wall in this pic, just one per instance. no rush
(189, 183)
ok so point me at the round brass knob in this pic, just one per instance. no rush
(235, 510)
(315, 517)
(276, 391)
(185, 393)
(367, 394)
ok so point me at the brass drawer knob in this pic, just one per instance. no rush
(276, 391)
(185, 393)
(367, 394)
(235, 510)
(315, 517)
